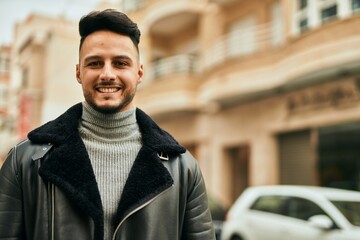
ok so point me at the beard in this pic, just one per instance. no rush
(110, 109)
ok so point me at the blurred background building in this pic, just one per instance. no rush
(5, 124)
(260, 91)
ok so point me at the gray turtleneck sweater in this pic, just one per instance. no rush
(112, 142)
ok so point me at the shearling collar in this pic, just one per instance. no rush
(68, 166)
(66, 125)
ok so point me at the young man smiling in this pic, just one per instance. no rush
(103, 169)
(109, 71)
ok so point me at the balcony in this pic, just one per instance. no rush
(172, 45)
(170, 85)
(316, 56)
(184, 63)
(242, 43)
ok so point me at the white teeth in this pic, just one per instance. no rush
(107, 90)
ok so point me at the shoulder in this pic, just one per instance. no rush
(20, 156)
(187, 160)
(26, 149)
(155, 137)
(188, 167)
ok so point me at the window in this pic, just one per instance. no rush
(351, 210)
(302, 4)
(302, 208)
(355, 5)
(294, 207)
(328, 13)
(312, 14)
(303, 25)
(270, 204)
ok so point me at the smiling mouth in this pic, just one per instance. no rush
(108, 89)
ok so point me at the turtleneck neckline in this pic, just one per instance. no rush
(108, 127)
(108, 120)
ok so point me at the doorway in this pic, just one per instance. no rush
(236, 172)
(339, 156)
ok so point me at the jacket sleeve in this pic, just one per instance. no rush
(10, 199)
(197, 222)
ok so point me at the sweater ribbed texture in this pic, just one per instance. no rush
(112, 142)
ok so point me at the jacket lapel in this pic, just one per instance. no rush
(148, 176)
(68, 165)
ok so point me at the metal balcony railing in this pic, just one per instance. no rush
(243, 42)
(184, 63)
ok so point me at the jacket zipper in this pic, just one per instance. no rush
(51, 189)
(137, 209)
(52, 211)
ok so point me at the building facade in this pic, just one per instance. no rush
(45, 53)
(260, 91)
(5, 120)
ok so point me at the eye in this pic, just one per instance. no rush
(94, 64)
(120, 63)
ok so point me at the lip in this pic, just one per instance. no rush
(107, 89)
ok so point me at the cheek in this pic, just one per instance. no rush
(88, 77)
(134, 78)
(86, 85)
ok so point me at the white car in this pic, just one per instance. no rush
(294, 213)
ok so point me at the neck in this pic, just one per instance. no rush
(112, 126)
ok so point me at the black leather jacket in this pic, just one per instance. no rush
(48, 189)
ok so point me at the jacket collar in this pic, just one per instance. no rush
(68, 165)
(66, 125)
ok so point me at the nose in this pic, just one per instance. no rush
(107, 73)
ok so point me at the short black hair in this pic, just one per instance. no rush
(109, 19)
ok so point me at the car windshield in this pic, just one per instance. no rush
(351, 210)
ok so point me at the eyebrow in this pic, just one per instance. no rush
(96, 57)
(123, 57)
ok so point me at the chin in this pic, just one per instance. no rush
(107, 109)
(109, 106)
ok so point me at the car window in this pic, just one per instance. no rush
(294, 207)
(351, 210)
(271, 204)
(303, 209)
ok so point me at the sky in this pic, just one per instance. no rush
(13, 11)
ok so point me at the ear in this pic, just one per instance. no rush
(78, 73)
(140, 73)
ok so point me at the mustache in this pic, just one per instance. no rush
(108, 84)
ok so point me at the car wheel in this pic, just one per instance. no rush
(236, 238)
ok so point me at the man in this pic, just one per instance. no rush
(103, 169)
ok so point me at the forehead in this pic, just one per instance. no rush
(101, 42)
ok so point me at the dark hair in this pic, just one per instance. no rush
(111, 20)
